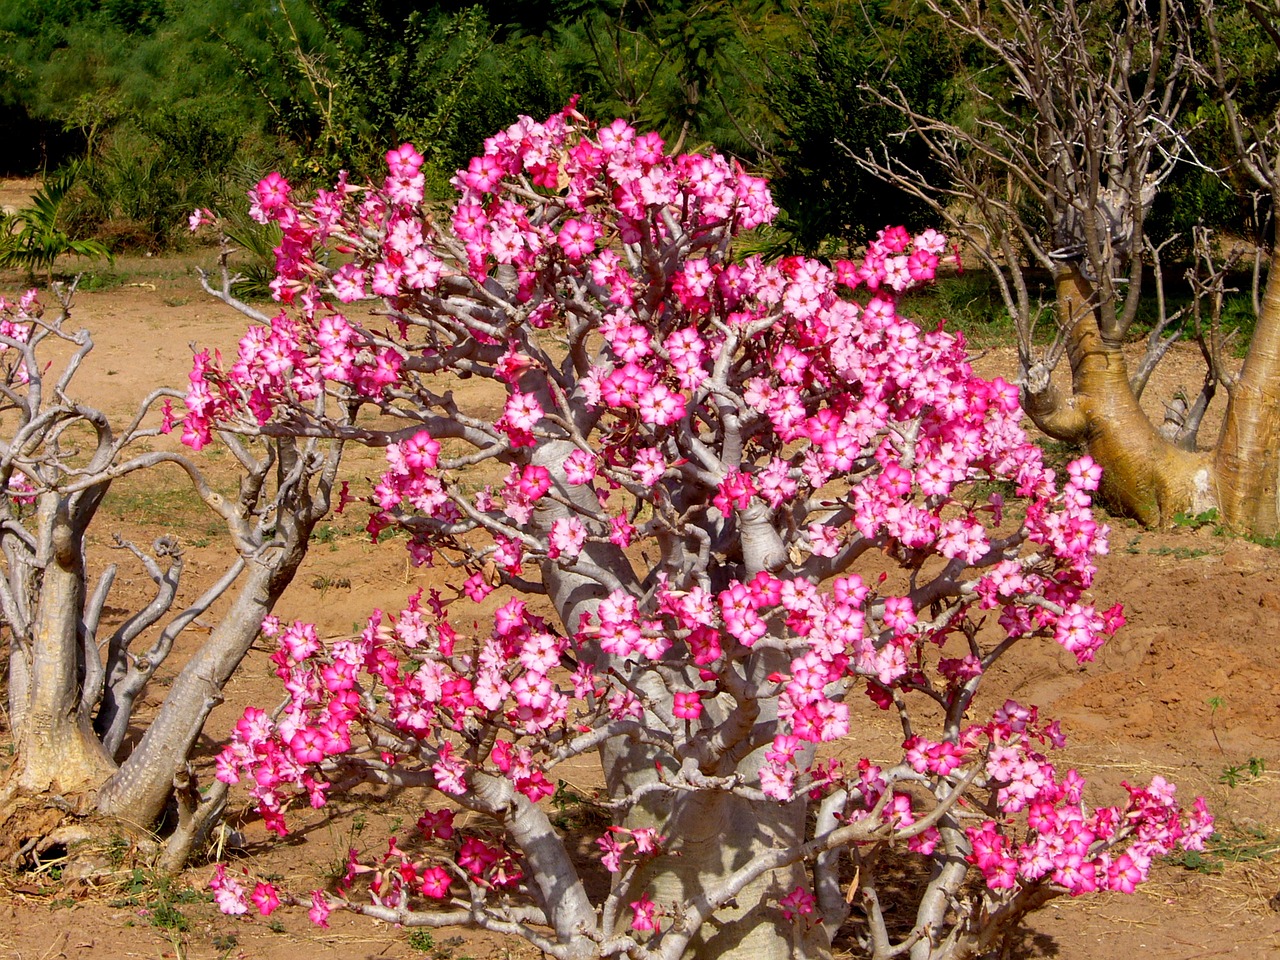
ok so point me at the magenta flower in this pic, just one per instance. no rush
(644, 914)
(319, 912)
(265, 898)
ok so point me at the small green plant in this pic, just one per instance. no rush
(325, 533)
(168, 917)
(423, 940)
(1179, 553)
(1215, 704)
(118, 848)
(1194, 521)
(1221, 530)
(157, 892)
(1271, 542)
(1235, 774)
(574, 809)
(337, 867)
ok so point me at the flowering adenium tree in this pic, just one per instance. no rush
(733, 500)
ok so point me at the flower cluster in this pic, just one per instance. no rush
(15, 330)
(1065, 843)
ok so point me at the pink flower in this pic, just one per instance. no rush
(435, 883)
(270, 196)
(735, 492)
(687, 706)
(307, 745)
(438, 823)
(577, 238)
(644, 914)
(1124, 874)
(476, 587)
(404, 160)
(199, 217)
(614, 846)
(580, 467)
(319, 912)
(647, 840)
(899, 614)
(568, 534)
(931, 241)
(265, 898)
(228, 893)
(799, 902)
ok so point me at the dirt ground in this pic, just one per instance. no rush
(1190, 689)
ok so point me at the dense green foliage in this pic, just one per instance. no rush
(173, 104)
(167, 105)
(817, 90)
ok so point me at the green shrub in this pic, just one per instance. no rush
(34, 237)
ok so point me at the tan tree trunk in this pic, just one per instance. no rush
(1144, 475)
(57, 750)
(1247, 461)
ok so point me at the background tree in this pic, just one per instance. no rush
(72, 685)
(379, 70)
(183, 104)
(1078, 129)
(814, 86)
(671, 66)
(1246, 461)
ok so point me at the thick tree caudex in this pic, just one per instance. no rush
(73, 684)
(1058, 173)
(731, 501)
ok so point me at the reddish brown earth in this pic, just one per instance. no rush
(1189, 690)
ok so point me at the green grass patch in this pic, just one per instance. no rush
(94, 281)
(1180, 553)
(160, 899)
(1237, 319)
(971, 303)
(180, 508)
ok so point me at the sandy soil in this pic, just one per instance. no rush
(1190, 689)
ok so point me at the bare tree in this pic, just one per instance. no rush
(73, 684)
(1077, 129)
